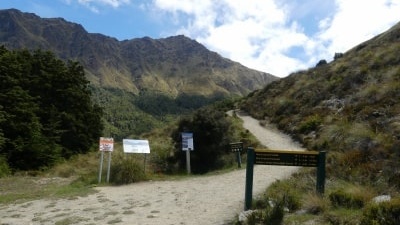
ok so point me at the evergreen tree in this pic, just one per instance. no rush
(211, 135)
(46, 112)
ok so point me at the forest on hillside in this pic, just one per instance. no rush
(46, 110)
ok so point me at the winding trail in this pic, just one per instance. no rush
(211, 200)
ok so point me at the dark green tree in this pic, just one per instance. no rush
(211, 134)
(47, 109)
(24, 146)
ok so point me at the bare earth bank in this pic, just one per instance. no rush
(213, 200)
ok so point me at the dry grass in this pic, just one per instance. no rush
(315, 203)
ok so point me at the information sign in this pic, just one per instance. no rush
(237, 146)
(287, 158)
(283, 158)
(136, 146)
(187, 142)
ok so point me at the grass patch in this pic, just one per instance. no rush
(343, 216)
(13, 189)
(304, 218)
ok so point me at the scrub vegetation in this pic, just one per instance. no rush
(350, 109)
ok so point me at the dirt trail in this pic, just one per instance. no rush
(213, 200)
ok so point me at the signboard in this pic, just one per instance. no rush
(136, 146)
(287, 158)
(283, 158)
(187, 142)
(237, 146)
(106, 144)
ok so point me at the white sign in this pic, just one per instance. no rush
(106, 144)
(136, 146)
(187, 142)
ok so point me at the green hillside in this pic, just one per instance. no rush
(142, 82)
(350, 109)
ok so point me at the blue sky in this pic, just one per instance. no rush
(274, 36)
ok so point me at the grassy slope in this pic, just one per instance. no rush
(348, 108)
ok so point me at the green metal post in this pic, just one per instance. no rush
(321, 172)
(249, 178)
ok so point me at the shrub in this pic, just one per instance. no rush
(310, 124)
(385, 213)
(270, 214)
(350, 196)
(4, 168)
(283, 192)
(340, 198)
(126, 170)
(273, 214)
(321, 63)
(212, 133)
(315, 204)
(343, 217)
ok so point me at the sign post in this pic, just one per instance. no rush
(237, 147)
(187, 145)
(283, 158)
(105, 145)
(109, 167)
(248, 196)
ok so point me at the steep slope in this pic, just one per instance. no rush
(349, 106)
(173, 65)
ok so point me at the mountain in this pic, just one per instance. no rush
(174, 65)
(349, 108)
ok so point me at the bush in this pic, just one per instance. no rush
(342, 217)
(212, 134)
(126, 170)
(4, 168)
(274, 214)
(270, 214)
(310, 124)
(350, 196)
(385, 213)
(283, 192)
(315, 204)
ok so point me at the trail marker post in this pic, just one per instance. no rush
(283, 158)
(237, 147)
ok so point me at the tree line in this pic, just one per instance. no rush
(46, 110)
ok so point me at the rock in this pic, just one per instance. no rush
(243, 216)
(382, 198)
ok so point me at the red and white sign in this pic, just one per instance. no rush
(106, 144)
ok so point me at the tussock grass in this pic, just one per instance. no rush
(315, 204)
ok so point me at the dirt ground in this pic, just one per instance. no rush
(214, 199)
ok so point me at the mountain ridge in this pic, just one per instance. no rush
(171, 65)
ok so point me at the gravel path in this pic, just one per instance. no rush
(211, 200)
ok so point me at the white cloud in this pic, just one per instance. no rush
(282, 36)
(357, 21)
(94, 5)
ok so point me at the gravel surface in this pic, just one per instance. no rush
(213, 199)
